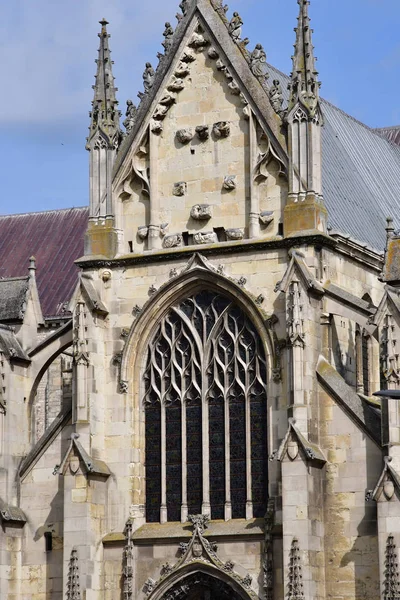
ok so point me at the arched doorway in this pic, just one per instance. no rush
(201, 586)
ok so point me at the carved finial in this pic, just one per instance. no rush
(105, 114)
(73, 583)
(391, 584)
(32, 267)
(200, 522)
(304, 85)
(104, 24)
(296, 591)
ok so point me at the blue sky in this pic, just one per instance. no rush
(49, 46)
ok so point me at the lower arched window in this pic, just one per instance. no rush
(205, 413)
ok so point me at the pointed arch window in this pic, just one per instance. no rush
(205, 413)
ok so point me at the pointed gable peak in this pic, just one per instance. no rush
(304, 85)
(105, 114)
(204, 27)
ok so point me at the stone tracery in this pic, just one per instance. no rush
(205, 368)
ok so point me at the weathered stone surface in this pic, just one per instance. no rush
(76, 448)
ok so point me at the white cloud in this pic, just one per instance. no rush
(49, 46)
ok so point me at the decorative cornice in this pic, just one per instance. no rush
(173, 254)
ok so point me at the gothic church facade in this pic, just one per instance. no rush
(189, 412)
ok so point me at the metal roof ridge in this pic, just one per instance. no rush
(42, 212)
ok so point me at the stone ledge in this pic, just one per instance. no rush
(156, 532)
(273, 243)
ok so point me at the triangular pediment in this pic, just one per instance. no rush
(203, 21)
(297, 270)
(205, 158)
(388, 483)
(390, 303)
(77, 460)
(294, 446)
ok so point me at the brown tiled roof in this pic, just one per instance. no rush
(56, 239)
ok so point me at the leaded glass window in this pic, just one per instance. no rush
(205, 413)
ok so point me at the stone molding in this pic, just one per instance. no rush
(197, 269)
(220, 39)
(388, 483)
(291, 444)
(91, 465)
(199, 555)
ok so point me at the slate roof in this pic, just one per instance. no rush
(361, 173)
(13, 298)
(56, 239)
(10, 346)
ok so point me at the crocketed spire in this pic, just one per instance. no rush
(105, 114)
(304, 86)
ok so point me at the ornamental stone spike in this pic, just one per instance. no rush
(105, 114)
(304, 120)
(304, 84)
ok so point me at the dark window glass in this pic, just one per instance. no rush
(194, 457)
(174, 461)
(237, 425)
(153, 462)
(206, 347)
(259, 457)
(217, 457)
